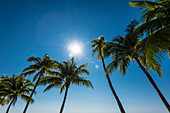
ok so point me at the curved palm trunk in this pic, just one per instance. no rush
(111, 86)
(9, 106)
(154, 85)
(26, 107)
(62, 107)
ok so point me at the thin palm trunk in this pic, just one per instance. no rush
(2, 99)
(65, 96)
(9, 106)
(154, 85)
(26, 107)
(111, 86)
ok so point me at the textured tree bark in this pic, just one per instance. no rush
(26, 107)
(154, 85)
(65, 96)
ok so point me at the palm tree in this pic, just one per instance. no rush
(41, 66)
(99, 47)
(156, 16)
(125, 49)
(67, 74)
(16, 86)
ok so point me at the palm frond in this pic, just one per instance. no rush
(34, 59)
(37, 75)
(50, 79)
(26, 98)
(49, 87)
(82, 81)
(145, 4)
(29, 73)
(156, 44)
(62, 88)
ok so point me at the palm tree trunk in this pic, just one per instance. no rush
(62, 107)
(2, 99)
(154, 85)
(111, 86)
(9, 106)
(26, 107)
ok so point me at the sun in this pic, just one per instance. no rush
(75, 49)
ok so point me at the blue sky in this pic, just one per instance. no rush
(35, 27)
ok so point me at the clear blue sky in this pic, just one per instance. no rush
(35, 27)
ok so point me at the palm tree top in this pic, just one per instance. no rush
(68, 73)
(125, 49)
(98, 45)
(16, 86)
(43, 66)
(155, 14)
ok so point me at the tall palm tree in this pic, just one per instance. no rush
(68, 73)
(17, 86)
(125, 49)
(156, 16)
(99, 47)
(41, 66)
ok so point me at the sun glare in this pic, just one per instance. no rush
(75, 49)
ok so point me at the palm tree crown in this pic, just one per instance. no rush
(99, 44)
(156, 15)
(69, 73)
(16, 86)
(41, 65)
(125, 49)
